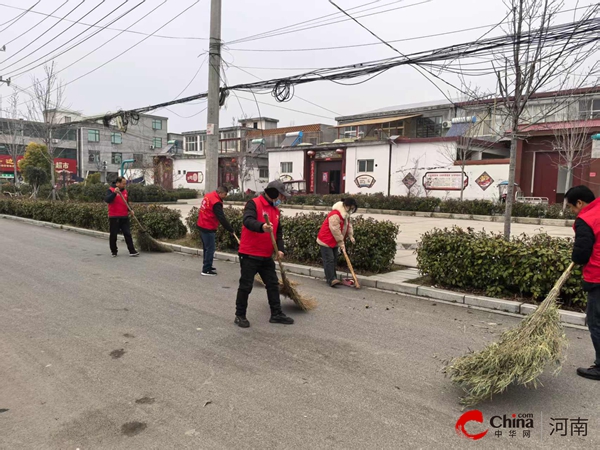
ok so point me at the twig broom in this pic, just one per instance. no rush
(146, 243)
(306, 303)
(519, 357)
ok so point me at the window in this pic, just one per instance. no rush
(157, 124)
(191, 143)
(94, 156)
(287, 167)
(67, 119)
(255, 125)
(157, 142)
(93, 136)
(116, 158)
(366, 165)
(68, 153)
(65, 134)
(589, 109)
(263, 172)
(116, 138)
(429, 126)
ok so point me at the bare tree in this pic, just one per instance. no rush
(14, 140)
(411, 175)
(44, 108)
(573, 145)
(539, 59)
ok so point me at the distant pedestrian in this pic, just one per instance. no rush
(210, 215)
(336, 228)
(586, 251)
(256, 253)
(118, 216)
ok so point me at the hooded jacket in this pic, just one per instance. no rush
(336, 227)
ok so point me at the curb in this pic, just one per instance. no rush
(438, 215)
(493, 305)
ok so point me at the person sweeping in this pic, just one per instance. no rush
(336, 228)
(256, 252)
(118, 216)
(210, 215)
(586, 252)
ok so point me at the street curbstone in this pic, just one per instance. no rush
(440, 294)
(366, 282)
(462, 216)
(189, 250)
(317, 273)
(528, 220)
(422, 214)
(574, 318)
(554, 222)
(492, 303)
(527, 308)
(298, 269)
(441, 215)
(402, 288)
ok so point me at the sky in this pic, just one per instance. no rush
(172, 63)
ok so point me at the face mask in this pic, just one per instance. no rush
(277, 202)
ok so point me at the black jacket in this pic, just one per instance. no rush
(251, 222)
(218, 210)
(583, 247)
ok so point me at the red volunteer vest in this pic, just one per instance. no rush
(260, 244)
(206, 216)
(591, 216)
(325, 235)
(118, 208)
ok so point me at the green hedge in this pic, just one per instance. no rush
(428, 204)
(526, 266)
(374, 251)
(161, 222)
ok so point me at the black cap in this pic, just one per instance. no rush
(279, 186)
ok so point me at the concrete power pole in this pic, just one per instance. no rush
(214, 78)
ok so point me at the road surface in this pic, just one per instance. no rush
(102, 353)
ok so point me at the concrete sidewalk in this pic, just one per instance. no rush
(412, 228)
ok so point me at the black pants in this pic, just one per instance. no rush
(330, 258)
(120, 224)
(208, 250)
(266, 269)
(593, 319)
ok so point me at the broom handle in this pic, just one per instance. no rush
(131, 210)
(237, 238)
(356, 283)
(268, 222)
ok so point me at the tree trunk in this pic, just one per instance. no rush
(53, 179)
(510, 194)
(462, 182)
(568, 182)
(15, 169)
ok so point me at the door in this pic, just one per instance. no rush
(545, 176)
(329, 177)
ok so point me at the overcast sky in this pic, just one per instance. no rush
(158, 69)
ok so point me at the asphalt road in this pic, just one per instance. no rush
(102, 353)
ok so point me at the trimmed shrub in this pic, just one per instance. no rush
(374, 251)
(525, 266)
(161, 222)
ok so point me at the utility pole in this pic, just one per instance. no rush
(214, 78)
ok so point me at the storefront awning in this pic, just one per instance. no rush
(377, 121)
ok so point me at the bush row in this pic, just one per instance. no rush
(96, 193)
(374, 251)
(525, 266)
(161, 222)
(428, 204)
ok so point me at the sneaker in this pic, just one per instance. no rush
(114, 255)
(281, 318)
(210, 273)
(133, 255)
(241, 322)
(212, 269)
(334, 283)
(593, 373)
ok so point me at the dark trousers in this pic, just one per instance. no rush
(120, 224)
(208, 250)
(593, 320)
(266, 269)
(330, 258)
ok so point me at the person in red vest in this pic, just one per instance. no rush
(256, 252)
(334, 231)
(586, 252)
(118, 216)
(210, 215)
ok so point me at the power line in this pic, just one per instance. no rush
(283, 107)
(330, 23)
(127, 30)
(415, 38)
(19, 17)
(76, 44)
